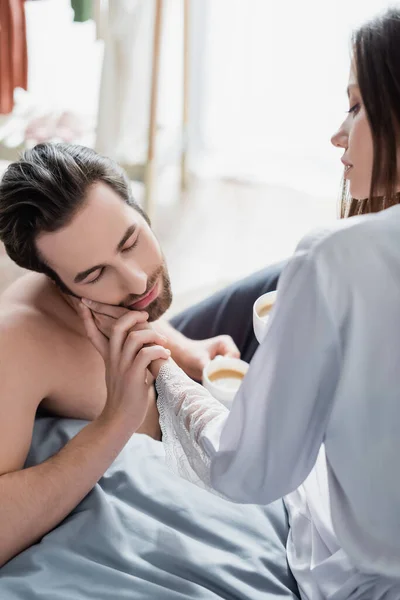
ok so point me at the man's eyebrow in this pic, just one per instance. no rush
(83, 274)
(131, 229)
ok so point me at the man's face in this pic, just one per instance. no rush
(109, 254)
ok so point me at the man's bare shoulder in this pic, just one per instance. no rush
(25, 347)
(26, 367)
(27, 289)
(26, 314)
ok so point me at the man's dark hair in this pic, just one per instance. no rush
(44, 190)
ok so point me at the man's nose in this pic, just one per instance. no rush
(340, 138)
(135, 279)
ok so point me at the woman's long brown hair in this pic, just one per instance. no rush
(376, 47)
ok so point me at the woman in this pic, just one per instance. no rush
(316, 419)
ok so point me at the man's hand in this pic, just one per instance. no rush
(105, 315)
(191, 355)
(195, 354)
(127, 355)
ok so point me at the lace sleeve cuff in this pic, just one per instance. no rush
(187, 412)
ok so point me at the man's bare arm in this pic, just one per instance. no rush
(34, 500)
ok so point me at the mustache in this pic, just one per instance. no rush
(150, 284)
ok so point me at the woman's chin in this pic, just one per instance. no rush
(358, 192)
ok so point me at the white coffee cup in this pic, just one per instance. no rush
(261, 312)
(223, 376)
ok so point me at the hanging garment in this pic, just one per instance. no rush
(13, 52)
(83, 10)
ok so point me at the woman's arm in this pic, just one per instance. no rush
(267, 445)
(278, 420)
(187, 412)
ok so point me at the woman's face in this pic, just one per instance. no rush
(354, 136)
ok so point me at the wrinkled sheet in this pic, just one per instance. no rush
(144, 533)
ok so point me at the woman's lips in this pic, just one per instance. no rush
(146, 300)
(347, 170)
(347, 167)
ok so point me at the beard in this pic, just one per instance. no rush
(163, 301)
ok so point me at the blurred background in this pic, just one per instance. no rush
(221, 111)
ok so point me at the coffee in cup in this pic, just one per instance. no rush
(261, 313)
(223, 376)
(229, 379)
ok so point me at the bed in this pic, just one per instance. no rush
(143, 533)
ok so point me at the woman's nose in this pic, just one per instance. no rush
(340, 138)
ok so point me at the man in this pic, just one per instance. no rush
(67, 213)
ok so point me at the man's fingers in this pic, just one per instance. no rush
(95, 336)
(233, 353)
(147, 355)
(105, 309)
(106, 324)
(227, 347)
(155, 366)
(135, 341)
(76, 302)
(120, 330)
(141, 326)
